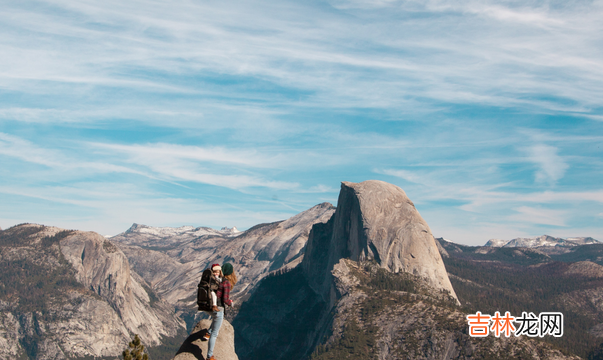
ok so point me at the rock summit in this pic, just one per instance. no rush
(374, 220)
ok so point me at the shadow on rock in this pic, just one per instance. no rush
(190, 347)
(194, 347)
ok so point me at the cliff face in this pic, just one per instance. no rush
(378, 315)
(281, 320)
(372, 284)
(103, 268)
(374, 220)
(71, 294)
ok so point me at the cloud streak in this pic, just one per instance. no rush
(552, 167)
(540, 216)
(487, 113)
(539, 59)
(161, 161)
(187, 163)
(15, 147)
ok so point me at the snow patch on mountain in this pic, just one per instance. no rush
(544, 240)
(496, 242)
(150, 236)
(182, 230)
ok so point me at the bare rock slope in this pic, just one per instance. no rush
(69, 294)
(374, 223)
(375, 220)
(171, 261)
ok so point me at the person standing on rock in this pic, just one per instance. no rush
(229, 279)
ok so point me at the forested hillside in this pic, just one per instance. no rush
(521, 279)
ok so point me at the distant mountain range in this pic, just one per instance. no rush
(172, 259)
(544, 240)
(566, 279)
(149, 236)
(364, 280)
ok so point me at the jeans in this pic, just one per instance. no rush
(216, 322)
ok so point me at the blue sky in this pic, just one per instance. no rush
(210, 113)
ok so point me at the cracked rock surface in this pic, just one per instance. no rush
(72, 294)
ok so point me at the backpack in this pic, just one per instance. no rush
(207, 284)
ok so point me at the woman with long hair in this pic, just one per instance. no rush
(229, 279)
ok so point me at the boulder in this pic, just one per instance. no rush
(194, 348)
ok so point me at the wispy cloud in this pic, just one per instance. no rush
(321, 188)
(540, 216)
(170, 162)
(552, 167)
(404, 60)
(485, 111)
(402, 174)
(19, 148)
(170, 152)
(34, 115)
(189, 163)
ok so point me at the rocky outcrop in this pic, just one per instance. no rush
(103, 268)
(374, 223)
(374, 220)
(195, 348)
(375, 321)
(10, 334)
(71, 294)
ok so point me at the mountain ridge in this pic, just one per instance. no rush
(89, 303)
(541, 241)
(346, 274)
(173, 266)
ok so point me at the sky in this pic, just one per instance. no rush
(488, 114)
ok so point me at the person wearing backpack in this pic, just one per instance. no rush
(207, 299)
(229, 279)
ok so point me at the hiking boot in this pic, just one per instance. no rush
(211, 358)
